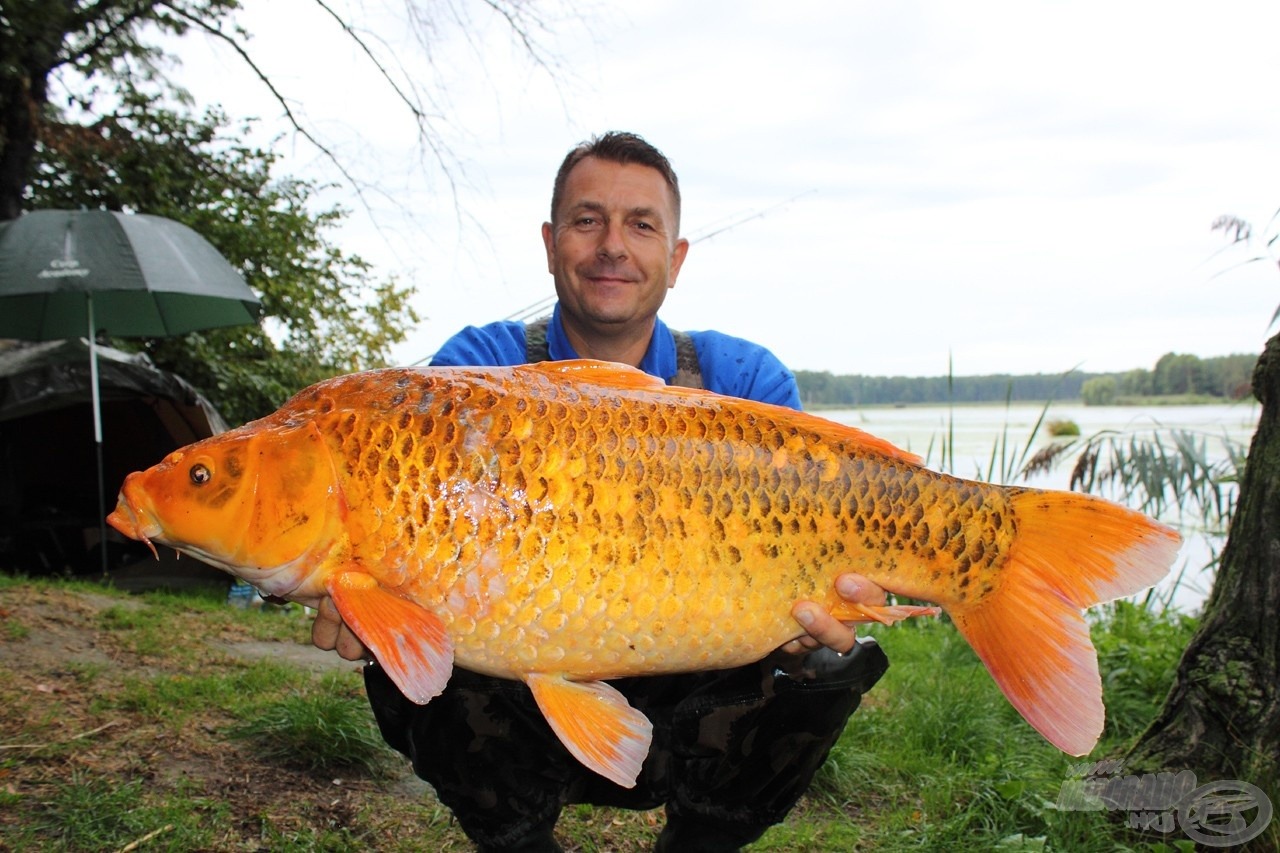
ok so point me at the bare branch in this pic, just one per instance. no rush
(422, 118)
(265, 79)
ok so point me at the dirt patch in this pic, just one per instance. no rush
(73, 717)
(292, 654)
(48, 630)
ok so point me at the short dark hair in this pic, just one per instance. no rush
(617, 147)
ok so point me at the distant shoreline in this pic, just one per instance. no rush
(1134, 402)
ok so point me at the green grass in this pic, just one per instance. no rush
(173, 697)
(212, 751)
(330, 731)
(937, 759)
(89, 813)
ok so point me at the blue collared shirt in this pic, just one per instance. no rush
(729, 365)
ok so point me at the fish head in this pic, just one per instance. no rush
(262, 502)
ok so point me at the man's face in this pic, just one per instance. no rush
(613, 249)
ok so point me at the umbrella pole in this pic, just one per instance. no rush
(97, 434)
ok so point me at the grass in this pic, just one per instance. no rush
(328, 732)
(193, 748)
(942, 761)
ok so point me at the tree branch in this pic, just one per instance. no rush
(443, 157)
(276, 94)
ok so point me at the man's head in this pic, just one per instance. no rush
(613, 244)
(622, 148)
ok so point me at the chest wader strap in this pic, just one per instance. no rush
(688, 372)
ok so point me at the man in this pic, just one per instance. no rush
(732, 750)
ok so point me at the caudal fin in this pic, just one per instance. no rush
(1071, 551)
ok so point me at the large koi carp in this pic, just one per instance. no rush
(572, 522)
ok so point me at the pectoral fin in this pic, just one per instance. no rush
(596, 724)
(409, 641)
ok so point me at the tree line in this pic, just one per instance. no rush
(1227, 377)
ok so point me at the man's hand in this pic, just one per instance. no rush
(824, 629)
(331, 634)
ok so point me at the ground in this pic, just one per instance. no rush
(62, 663)
(116, 721)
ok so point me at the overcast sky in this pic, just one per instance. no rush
(1006, 186)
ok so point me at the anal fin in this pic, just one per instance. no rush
(596, 724)
(885, 614)
(409, 641)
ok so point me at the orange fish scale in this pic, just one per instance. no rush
(563, 510)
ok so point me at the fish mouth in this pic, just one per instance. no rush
(134, 523)
(140, 525)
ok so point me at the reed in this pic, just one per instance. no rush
(1186, 478)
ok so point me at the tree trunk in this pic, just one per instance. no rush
(18, 109)
(1221, 719)
(31, 44)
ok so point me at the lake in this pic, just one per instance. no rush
(977, 430)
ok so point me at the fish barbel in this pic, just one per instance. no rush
(566, 523)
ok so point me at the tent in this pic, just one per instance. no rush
(48, 469)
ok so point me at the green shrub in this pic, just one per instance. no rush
(1063, 427)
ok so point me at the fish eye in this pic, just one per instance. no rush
(200, 474)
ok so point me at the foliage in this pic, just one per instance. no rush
(1138, 652)
(1099, 391)
(1062, 427)
(61, 52)
(324, 312)
(88, 117)
(1186, 478)
(1218, 377)
(1181, 475)
(937, 759)
(1240, 233)
(46, 45)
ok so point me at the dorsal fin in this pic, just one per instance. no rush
(871, 442)
(604, 372)
(617, 375)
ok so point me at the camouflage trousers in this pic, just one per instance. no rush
(734, 747)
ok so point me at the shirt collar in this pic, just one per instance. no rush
(659, 359)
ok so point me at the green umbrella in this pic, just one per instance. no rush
(75, 273)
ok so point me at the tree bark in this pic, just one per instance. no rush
(1221, 719)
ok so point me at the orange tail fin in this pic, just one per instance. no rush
(1071, 551)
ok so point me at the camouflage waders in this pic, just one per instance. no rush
(737, 747)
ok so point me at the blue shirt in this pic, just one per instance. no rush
(729, 365)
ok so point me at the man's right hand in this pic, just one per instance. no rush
(331, 634)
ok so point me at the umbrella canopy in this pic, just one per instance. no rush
(149, 277)
(67, 273)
